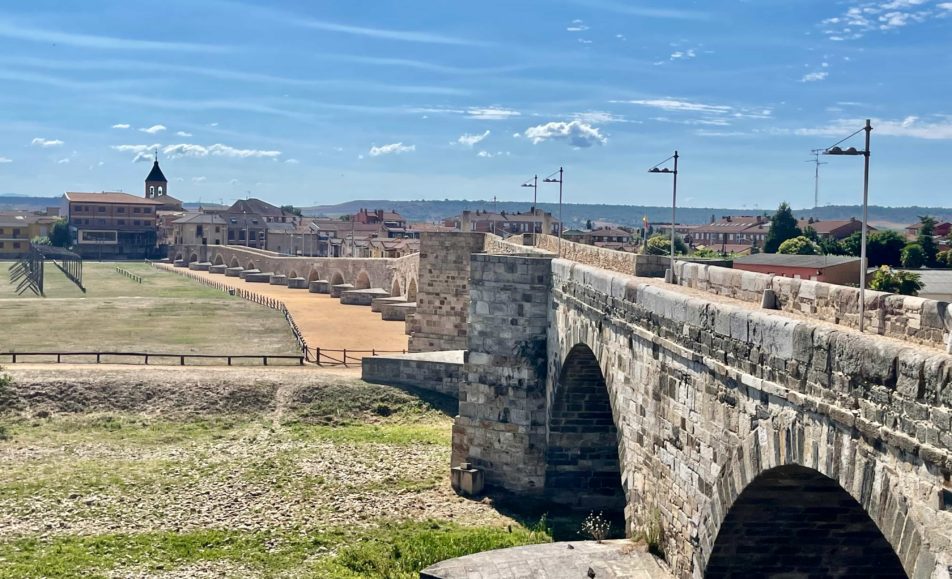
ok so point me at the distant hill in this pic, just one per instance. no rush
(575, 215)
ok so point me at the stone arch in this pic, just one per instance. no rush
(314, 275)
(219, 260)
(337, 278)
(235, 262)
(395, 289)
(250, 265)
(583, 469)
(193, 257)
(362, 281)
(411, 290)
(293, 274)
(178, 257)
(795, 521)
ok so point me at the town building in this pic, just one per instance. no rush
(199, 229)
(843, 270)
(942, 229)
(112, 225)
(607, 237)
(731, 233)
(157, 189)
(247, 221)
(18, 228)
(505, 224)
(833, 229)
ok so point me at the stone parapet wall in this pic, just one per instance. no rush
(515, 245)
(706, 396)
(437, 372)
(442, 315)
(610, 259)
(913, 319)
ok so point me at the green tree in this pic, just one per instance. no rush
(40, 240)
(944, 259)
(291, 209)
(885, 248)
(912, 256)
(830, 246)
(926, 240)
(588, 224)
(705, 252)
(783, 226)
(886, 279)
(810, 233)
(661, 245)
(59, 234)
(799, 246)
(851, 245)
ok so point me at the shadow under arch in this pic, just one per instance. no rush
(583, 469)
(293, 275)
(250, 265)
(193, 258)
(219, 260)
(793, 521)
(235, 262)
(178, 257)
(411, 290)
(395, 289)
(314, 276)
(337, 278)
(362, 281)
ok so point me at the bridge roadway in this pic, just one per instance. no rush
(323, 320)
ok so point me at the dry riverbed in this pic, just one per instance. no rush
(169, 472)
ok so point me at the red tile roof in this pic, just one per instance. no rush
(114, 198)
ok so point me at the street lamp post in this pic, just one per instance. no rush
(551, 179)
(535, 196)
(836, 150)
(674, 200)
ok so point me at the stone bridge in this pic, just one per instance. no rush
(764, 442)
(399, 275)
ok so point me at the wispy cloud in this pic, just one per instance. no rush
(391, 149)
(670, 104)
(23, 31)
(46, 143)
(63, 161)
(183, 134)
(491, 113)
(577, 133)
(938, 128)
(200, 179)
(577, 26)
(600, 117)
(292, 162)
(631, 9)
(468, 140)
(683, 54)
(869, 16)
(153, 130)
(5, 160)
(217, 150)
(815, 76)
(121, 126)
(490, 155)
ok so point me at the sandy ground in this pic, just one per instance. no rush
(324, 321)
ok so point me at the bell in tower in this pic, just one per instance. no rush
(156, 185)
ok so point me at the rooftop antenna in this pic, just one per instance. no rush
(816, 176)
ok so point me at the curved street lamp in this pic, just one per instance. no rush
(674, 201)
(535, 194)
(836, 150)
(551, 179)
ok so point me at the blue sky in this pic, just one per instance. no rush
(320, 102)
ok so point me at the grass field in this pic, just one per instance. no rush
(166, 313)
(231, 473)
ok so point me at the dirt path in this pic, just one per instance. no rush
(323, 320)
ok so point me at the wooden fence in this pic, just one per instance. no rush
(71, 357)
(329, 357)
(129, 274)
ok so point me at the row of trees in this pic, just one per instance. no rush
(887, 248)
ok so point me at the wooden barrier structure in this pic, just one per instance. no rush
(18, 357)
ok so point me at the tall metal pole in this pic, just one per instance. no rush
(674, 203)
(560, 211)
(535, 192)
(862, 258)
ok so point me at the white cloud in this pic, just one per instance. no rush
(183, 134)
(143, 153)
(815, 76)
(199, 179)
(869, 16)
(939, 127)
(491, 113)
(683, 54)
(945, 5)
(154, 129)
(584, 41)
(669, 104)
(621, 37)
(577, 133)
(468, 140)
(5, 160)
(577, 26)
(63, 161)
(292, 162)
(391, 149)
(490, 155)
(46, 143)
(121, 126)
(143, 157)
(599, 117)
(217, 150)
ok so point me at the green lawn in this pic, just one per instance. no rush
(166, 313)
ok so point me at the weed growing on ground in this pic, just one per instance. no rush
(653, 534)
(596, 526)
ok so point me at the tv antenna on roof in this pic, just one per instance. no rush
(816, 176)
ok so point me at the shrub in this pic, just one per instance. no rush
(596, 527)
(912, 256)
(799, 246)
(661, 245)
(886, 279)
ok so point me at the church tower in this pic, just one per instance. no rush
(156, 185)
